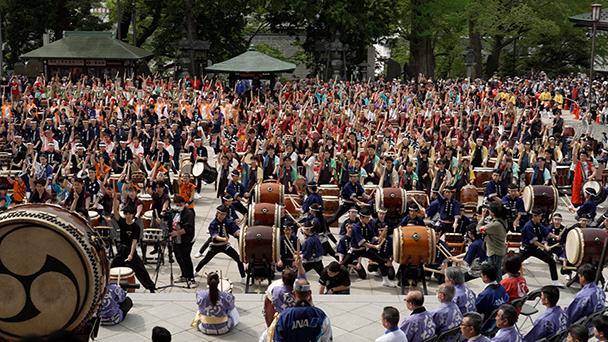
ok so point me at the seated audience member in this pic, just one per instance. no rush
(447, 315)
(282, 296)
(577, 333)
(493, 296)
(464, 296)
(515, 284)
(390, 320)
(600, 328)
(419, 326)
(115, 305)
(160, 334)
(589, 299)
(217, 314)
(471, 327)
(551, 322)
(334, 279)
(505, 322)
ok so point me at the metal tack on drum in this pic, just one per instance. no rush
(258, 236)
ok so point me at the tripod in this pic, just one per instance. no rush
(160, 259)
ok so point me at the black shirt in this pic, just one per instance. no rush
(128, 232)
(340, 279)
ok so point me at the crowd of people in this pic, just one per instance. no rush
(117, 149)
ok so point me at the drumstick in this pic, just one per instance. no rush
(296, 205)
(289, 214)
(444, 251)
(566, 203)
(298, 245)
(289, 246)
(557, 244)
(221, 282)
(432, 270)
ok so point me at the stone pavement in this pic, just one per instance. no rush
(354, 318)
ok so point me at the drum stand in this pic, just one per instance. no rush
(412, 272)
(160, 258)
(259, 271)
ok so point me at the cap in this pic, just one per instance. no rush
(222, 209)
(513, 186)
(537, 211)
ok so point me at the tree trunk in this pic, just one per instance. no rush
(494, 57)
(126, 18)
(475, 44)
(422, 56)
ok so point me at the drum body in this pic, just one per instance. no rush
(186, 166)
(492, 163)
(267, 214)
(529, 174)
(123, 273)
(421, 197)
(258, 243)
(329, 190)
(269, 193)
(585, 246)
(330, 205)
(147, 219)
(393, 199)
(138, 177)
(269, 310)
(561, 178)
(290, 205)
(468, 194)
(197, 169)
(414, 245)
(455, 242)
(147, 200)
(300, 183)
(114, 180)
(482, 175)
(543, 197)
(568, 131)
(599, 190)
(209, 174)
(94, 217)
(57, 271)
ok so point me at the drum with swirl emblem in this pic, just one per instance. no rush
(53, 271)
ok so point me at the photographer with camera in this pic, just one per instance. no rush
(181, 230)
(127, 253)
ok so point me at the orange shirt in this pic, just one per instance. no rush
(185, 191)
(18, 191)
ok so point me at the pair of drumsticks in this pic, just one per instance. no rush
(293, 251)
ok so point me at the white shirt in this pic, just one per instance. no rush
(393, 336)
(310, 167)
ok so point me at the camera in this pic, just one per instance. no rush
(125, 285)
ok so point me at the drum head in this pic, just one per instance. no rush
(593, 185)
(432, 245)
(124, 272)
(379, 196)
(528, 198)
(197, 169)
(53, 271)
(397, 245)
(276, 244)
(148, 215)
(93, 215)
(145, 197)
(251, 215)
(575, 247)
(187, 168)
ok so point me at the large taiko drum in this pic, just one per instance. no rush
(267, 214)
(186, 166)
(482, 175)
(600, 196)
(120, 274)
(257, 243)
(114, 180)
(561, 177)
(147, 200)
(269, 193)
(420, 196)
(147, 218)
(543, 197)
(94, 217)
(585, 246)
(269, 310)
(468, 194)
(393, 199)
(529, 174)
(54, 271)
(329, 190)
(330, 208)
(292, 203)
(414, 245)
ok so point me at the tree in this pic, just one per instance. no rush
(23, 25)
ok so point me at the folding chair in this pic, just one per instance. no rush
(527, 310)
(432, 339)
(449, 334)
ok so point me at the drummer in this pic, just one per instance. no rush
(353, 217)
(515, 208)
(236, 189)
(604, 224)
(289, 243)
(344, 245)
(313, 197)
(495, 189)
(349, 196)
(227, 201)
(382, 220)
(412, 219)
(447, 207)
(583, 223)
(198, 153)
(588, 207)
